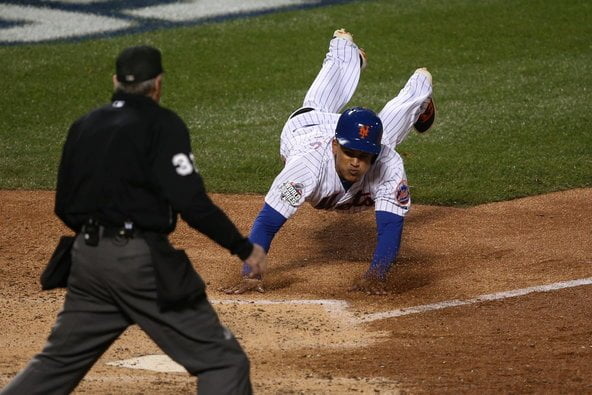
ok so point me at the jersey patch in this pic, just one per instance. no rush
(402, 193)
(291, 192)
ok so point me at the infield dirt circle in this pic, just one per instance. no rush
(307, 334)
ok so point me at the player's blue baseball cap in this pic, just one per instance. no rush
(359, 129)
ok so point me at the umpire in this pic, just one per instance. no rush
(126, 172)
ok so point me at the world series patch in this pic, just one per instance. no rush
(291, 192)
(402, 193)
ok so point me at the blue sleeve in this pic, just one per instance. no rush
(266, 225)
(390, 229)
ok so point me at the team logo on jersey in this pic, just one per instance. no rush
(402, 193)
(363, 130)
(291, 192)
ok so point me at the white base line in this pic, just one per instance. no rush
(482, 298)
(340, 307)
(322, 302)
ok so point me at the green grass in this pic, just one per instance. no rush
(512, 83)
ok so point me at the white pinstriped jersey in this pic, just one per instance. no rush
(309, 174)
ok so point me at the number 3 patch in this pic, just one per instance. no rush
(184, 165)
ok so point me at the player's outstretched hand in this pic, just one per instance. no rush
(369, 286)
(256, 261)
(247, 284)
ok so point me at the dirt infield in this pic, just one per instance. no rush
(307, 334)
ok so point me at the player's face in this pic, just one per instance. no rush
(351, 165)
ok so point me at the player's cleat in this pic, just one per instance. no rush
(427, 117)
(363, 58)
(342, 33)
(424, 71)
(428, 108)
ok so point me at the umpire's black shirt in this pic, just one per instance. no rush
(131, 160)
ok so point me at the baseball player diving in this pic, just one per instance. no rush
(345, 162)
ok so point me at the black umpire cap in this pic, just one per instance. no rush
(137, 64)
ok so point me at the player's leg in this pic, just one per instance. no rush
(338, 78)
(332, 88)
(400, 113)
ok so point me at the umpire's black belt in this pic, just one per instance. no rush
(109, 232)
(93, 232)
(113, 231)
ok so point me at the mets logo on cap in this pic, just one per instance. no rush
(363, 130)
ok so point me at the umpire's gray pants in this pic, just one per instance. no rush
(110, 287)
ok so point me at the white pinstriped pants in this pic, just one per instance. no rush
(336, 84)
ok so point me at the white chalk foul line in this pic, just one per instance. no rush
(479, 299)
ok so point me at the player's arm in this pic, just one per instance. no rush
(390, 229)
(392, 203)
(264, 229)
(288, 191)
(266, 225)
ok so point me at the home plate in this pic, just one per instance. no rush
(157, 363)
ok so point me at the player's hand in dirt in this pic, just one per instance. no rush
(254, 280)
(256, 261)
(247, 284)
(370, 286)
